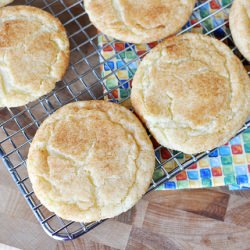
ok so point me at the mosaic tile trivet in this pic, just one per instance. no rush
(229, 164)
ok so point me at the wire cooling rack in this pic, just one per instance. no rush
(83, 81)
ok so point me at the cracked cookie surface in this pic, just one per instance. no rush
(239, 20)
(34, 54)
(90, 161)
(192, 92)
(139, 21)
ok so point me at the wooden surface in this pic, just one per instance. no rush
(190, 219)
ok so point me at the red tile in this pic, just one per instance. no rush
(193, 166)
(155, 143)
(119, 46)
(114, 93)
(214, 5)
(182, 176)
(152, 45)
(108, 48)
(165, 154)
(141, 52)
(216, 171)
(131, 83)
(237, 149)
(194, 22)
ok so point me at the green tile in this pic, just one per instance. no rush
(121, 55)
(228, 170)
(246, 131)
(180, 156)
(133, 70)
(208, 24)
(111, 83)
(183, 184)
(124, 93)
(206, 182)
(230, 179)
(99, 39)
(161, 187)
(226, 2)
(246, 137)
(226, 160)
(130, 54)
(158, 173)
(247, 147)
(204, 13)
(130, 75)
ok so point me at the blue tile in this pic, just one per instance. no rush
(214, 153)
(188, 24)
(121, 65)
(214, 162)
(114, 101)
(242, 179)
(241, 170)
(130, 45)
(236, 140)
(224, 151)
(193, 175)
(203, 7)
(205, 173)
(157, 154)
(124, 84)
(109, 66)
(170, 185)
(133, 65)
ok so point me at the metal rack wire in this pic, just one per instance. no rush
(82, 81)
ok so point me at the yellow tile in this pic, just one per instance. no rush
(197, 30)
(203, 163)
(248, 158)
(220, 15)
(141, 46)
(195, 184)
(104, 40)
(218, 181)
(107, 55)
(170, 165)
(122, 74)
(106, 73)
(239, 159)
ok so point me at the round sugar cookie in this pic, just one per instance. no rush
(90, 161)
(239, 21)
(140, 21)
(34, 54)
(192, 92)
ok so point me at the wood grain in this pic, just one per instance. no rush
(187, 219)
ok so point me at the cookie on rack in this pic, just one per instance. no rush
(239, 21)
(34, 54)
(192, 92)
(140, 21)
(90, 161)
(5, 2)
